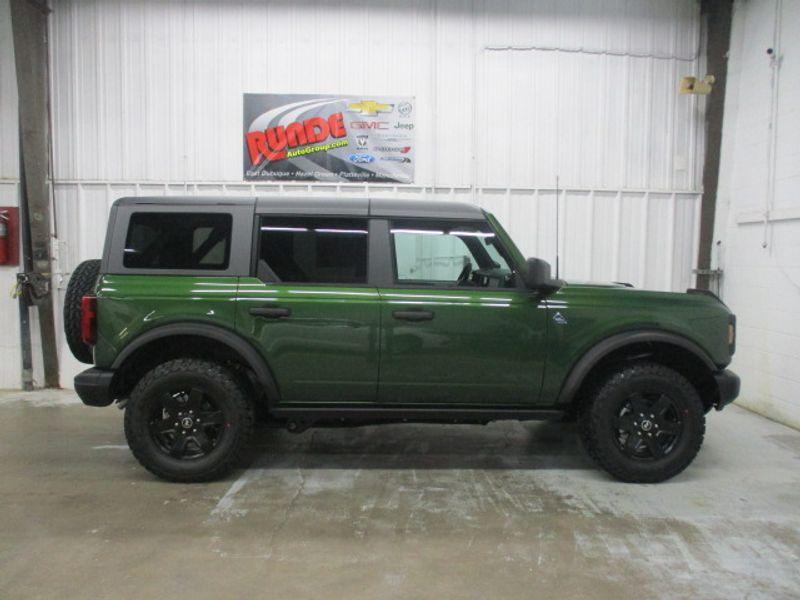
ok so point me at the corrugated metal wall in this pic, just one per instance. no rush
(147, 99)
(10, 375)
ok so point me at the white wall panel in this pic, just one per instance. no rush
(9, 133)
(586, 90)
(9, 189)
(147, 99)
(758, 232)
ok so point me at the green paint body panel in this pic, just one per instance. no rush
(482, 347)
(326, 351)
(595, 312)
(342, 344)
(130, 305)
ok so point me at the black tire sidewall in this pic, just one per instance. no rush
(81, 282)
(229, 399)
(599, 432)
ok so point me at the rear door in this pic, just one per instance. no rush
(457, 328)
(310, 311)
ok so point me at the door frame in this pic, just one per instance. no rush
(381, 275)
(381, 254)
(380, 248)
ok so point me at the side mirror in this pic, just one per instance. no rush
(537, 276)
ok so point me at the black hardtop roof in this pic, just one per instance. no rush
(374, 207)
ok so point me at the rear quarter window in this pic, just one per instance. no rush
(177, 240)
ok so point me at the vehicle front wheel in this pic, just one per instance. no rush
(645, 423)
(188, 420)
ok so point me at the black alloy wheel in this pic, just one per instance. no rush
(643, 422)
(648, 426)
(189, 419)
(186, 423)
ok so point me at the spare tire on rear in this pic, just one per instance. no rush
(81, 283)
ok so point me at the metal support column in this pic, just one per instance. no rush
(29, 26)
(718, 14)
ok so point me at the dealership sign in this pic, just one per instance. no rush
(310, 137)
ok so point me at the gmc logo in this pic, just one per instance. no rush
(369, 125)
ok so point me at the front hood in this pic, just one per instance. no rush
(616, 291)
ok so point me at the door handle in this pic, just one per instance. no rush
(271, 312)
(413, 315)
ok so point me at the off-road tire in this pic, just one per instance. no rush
(81, 282)
(598, 409)
(227, 391)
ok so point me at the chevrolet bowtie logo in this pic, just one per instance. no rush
(369, 108)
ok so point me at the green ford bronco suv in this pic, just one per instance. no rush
(204, 314)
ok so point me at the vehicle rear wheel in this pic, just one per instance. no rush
(188, 420)
(645, 423)
(81, 282)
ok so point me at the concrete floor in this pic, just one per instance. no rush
(503, 511)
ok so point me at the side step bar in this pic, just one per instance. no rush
(299, 418)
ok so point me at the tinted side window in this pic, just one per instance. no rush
(186, 241)
(313, 250)
(449, 253)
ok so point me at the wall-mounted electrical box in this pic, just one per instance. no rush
(693, 85)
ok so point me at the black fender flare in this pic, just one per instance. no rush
(596, 353)
(218, 334)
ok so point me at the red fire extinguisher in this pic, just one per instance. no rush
(4, 238)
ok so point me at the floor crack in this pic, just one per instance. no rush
(288, 511)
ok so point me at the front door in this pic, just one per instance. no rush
(457, 327)
(310, 311)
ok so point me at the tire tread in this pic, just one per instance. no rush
(233, 389)
(81, 282)
(589, 425)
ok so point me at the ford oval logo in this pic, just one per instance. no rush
(361, 158)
